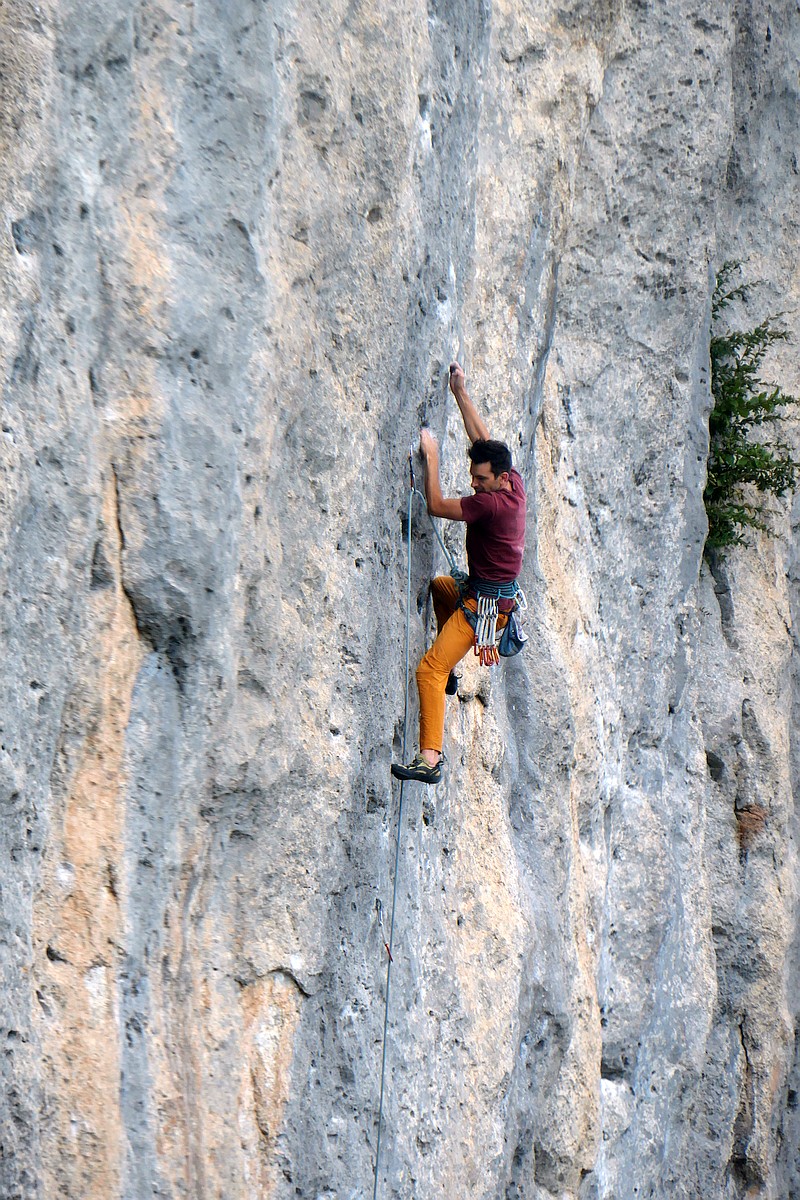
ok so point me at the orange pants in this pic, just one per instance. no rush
(456, 637)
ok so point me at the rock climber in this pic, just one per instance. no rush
(495, 540)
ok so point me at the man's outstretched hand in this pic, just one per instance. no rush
(457, 377)
(428, 444)
(476, 427)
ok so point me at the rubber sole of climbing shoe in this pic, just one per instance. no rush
(451, 687)
(418, 770)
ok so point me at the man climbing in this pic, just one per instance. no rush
(495, 519)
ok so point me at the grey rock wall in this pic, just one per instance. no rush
(240, 244)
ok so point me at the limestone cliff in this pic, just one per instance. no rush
(240, 243)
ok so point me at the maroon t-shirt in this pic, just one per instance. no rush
(496, 531)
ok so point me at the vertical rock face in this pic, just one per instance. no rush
(240, 244)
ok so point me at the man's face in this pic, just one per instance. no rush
(484, 479)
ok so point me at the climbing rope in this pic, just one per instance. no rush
(457, 573)
(390, 944)
(455, 570)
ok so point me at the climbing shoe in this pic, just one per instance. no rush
(451, 687)
(419, 770)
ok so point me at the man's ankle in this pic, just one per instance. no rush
(431, 757)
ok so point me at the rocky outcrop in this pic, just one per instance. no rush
(240, 245)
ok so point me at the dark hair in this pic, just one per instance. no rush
(496, 454)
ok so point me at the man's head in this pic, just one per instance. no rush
(490, 463)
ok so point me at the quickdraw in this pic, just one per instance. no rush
(486, 636)
(379, 911)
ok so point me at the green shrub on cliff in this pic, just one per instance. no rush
(742, 468)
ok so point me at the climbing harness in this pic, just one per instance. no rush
(490, 644)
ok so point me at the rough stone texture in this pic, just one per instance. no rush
(240, 243)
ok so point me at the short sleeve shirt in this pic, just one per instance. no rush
(496, 531)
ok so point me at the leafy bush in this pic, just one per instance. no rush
(740, 466)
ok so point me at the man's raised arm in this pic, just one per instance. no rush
(476, 429)
(438, 505)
